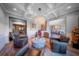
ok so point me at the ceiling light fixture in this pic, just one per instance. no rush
(14, 9)
(39, 9)
(68, 7)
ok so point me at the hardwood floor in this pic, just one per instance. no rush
(9, 50)
(33, 52)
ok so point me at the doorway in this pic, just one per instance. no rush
(17, 25)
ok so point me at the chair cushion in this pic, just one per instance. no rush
(63, 47)
(56, 46)
(20, 42)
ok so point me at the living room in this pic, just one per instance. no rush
(39, 29)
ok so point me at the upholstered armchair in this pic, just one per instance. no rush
(19, 42)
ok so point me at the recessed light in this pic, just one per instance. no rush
(68, 7)
(14, 9)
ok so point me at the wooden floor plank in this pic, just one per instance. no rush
(9, 50)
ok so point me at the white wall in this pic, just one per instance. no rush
(4, 28)
(72, 19)
(10, 26)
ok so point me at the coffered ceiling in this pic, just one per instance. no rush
(48, 10)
